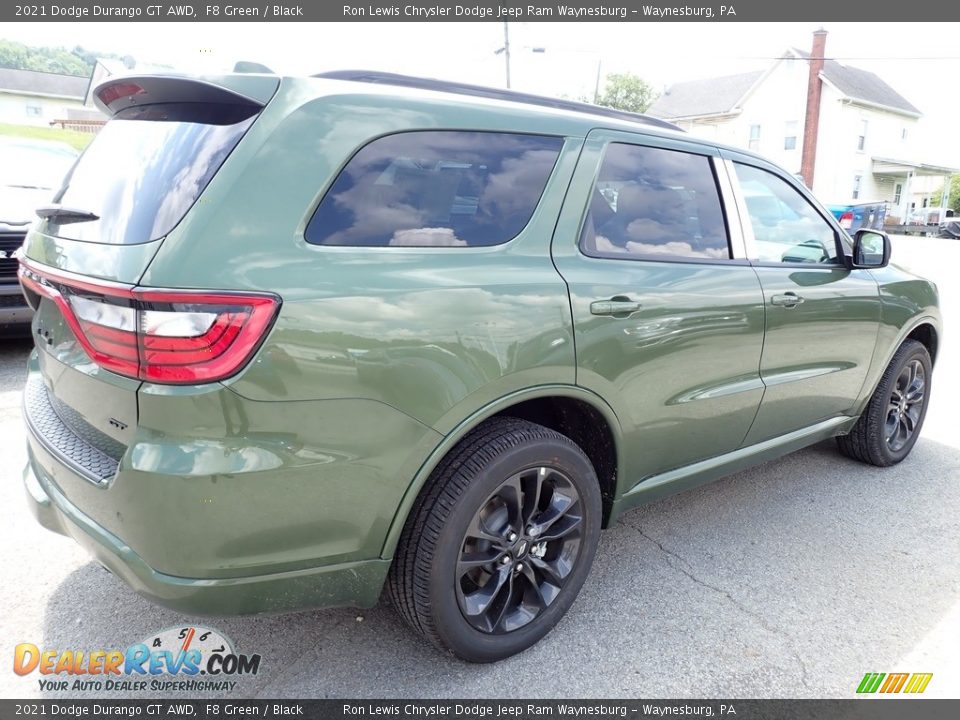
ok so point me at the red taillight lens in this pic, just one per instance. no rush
(846, 220)
(165, 336)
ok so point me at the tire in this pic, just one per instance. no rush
(890, 424)
(460, 579)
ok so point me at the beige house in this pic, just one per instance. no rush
(28, 97)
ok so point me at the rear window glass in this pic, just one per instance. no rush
(436, 189)
(146, 167)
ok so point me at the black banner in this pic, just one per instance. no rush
(199, 709)
(443, 11)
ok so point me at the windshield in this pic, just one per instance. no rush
(34, 165)
(146, 168)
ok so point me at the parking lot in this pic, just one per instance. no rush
(791, 579)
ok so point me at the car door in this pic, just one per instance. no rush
(668, 320)
(821, 317)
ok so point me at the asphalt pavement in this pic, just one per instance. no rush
(791, 579)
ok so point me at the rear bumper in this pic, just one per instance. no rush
(220, 505)
(355, 584)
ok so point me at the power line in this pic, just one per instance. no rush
(850, 57)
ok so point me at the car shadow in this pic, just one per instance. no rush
(790, 579)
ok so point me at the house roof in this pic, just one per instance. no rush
(722, 95)
(862, 85)
(32, 82)
(713, 96)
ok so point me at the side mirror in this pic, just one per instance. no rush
(871, 249)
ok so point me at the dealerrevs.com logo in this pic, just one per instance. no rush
(187, 659)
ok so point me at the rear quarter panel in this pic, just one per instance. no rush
(434, 332)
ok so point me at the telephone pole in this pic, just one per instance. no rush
(506, 50)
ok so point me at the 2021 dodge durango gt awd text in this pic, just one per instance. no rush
(298, 339)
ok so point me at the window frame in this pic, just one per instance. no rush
(842, 240)
(325, 189)
(735, 246)
(862, 135)
(787, 136)
(753, 142)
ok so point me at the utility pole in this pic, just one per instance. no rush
(596, 87)
(506, 49)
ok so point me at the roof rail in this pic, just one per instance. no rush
(385, 78)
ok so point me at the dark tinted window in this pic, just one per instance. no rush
(436, 189)
(146, 167)
(650, 202)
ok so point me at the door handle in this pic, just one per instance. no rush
(618, 307)
(787, 300)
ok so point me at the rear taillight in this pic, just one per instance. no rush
(846, 220)
(164, 336)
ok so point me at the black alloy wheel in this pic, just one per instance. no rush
(890, 424)
(499, 541)
(519, 549)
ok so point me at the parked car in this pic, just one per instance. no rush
(301, 339)
(950, 227)
(860, 215)
(30, 172)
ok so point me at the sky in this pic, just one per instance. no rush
(920, 60)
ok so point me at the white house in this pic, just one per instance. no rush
(842, 128)
(28, 97)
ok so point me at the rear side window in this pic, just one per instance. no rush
(653, 203)
(146, 168)
(436, 189)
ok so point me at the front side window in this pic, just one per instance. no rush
(654, 203)
(786, 227)
(436, 189)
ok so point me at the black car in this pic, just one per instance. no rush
(30, 173)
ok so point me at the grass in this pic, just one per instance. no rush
(73, 138)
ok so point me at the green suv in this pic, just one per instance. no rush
(301, 339)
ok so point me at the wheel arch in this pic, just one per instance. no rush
(925, 330)
(573, 411)
(927, 335)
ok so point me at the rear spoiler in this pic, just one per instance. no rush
(118, 93)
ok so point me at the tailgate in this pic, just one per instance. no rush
(137, 180)
(81, 412)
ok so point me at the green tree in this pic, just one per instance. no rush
(626, 91)
(18, 56)
(953, 194)
(953, 199)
